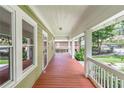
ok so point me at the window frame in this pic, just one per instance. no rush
(12, 64)
(21, 15)
(45, 34)
(18, 74)
(28, 45)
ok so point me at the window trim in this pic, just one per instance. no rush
(29, 45)
(12, 65)
(30, 21)
(17, 16)
(20, 16)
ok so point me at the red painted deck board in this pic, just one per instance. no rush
(63, 72)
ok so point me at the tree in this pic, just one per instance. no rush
(102, 34)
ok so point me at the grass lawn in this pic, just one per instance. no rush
(108, 59)
(3, 61)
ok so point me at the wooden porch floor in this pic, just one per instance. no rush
(63, 72)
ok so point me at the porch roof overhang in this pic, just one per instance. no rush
(91, 17)
(97, 16)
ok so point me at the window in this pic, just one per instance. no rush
(6, 46)
(23, 43)
(28, 44)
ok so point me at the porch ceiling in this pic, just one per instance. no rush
(61, 19)
(74, 19)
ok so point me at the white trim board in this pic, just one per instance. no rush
(19, 74)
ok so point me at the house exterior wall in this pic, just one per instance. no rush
(33, 76)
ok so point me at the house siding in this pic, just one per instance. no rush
(29, 80)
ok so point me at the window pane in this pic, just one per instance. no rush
(27, 33)
(27, 49)
(27, 56)
(5, 45)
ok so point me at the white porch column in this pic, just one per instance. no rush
(73, 48)
(88, 50)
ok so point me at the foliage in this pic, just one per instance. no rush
(24, 54)
(120, 56)
(24, 40)
(102, 34)
(5, 39)
(79, 55)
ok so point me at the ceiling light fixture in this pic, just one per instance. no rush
(60, 28)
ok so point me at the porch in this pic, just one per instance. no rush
(28, 46)
(63, 72)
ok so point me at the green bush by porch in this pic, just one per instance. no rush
(79, 55)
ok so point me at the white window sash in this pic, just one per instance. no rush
(12, 58)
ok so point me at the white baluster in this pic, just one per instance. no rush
(101, 77)
(116, 82)
(107, 80)
(122, 83)
(95, 72)
(111, 80)
(104, 79)
(99, 74)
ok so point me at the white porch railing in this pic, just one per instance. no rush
(104, 76)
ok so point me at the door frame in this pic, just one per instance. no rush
(46, 35)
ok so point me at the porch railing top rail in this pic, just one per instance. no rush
(110, 69)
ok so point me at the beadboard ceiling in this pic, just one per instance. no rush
(60, 16)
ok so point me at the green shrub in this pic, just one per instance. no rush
(24, 40)
(119, 56)
(24, 54)
(79, 55)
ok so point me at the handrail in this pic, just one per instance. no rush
(116, 72)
